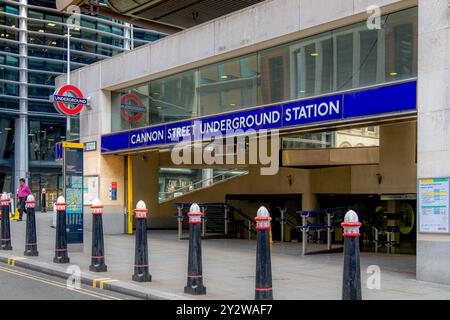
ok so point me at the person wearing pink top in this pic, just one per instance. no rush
(22, 194)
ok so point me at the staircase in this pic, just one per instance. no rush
(202, 184)
(220, 221)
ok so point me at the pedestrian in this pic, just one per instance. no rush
(22, 194)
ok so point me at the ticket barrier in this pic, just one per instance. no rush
(328, 227)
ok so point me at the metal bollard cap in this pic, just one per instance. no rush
(263, 219)
(5, 197)
(141, 210)
(61, 204)
(31, 202)
(97, 207)
(195, 214)
(351, 224)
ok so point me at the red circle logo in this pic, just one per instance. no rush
(69, 105)
(126, 109)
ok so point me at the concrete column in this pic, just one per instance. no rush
(146, 187)
(207, 177)
(21, 124)
(128, 34)
(433, 260)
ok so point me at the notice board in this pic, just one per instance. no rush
(433, 205)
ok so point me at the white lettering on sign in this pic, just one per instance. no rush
(146, 137)
(313, 110)
(224, 125)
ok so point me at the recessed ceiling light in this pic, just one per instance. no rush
(8, 129)
(51, 24)
(232, 104)
(314, 54)
(53, 42)
(224, 77)
(41, 30)
(393, 74)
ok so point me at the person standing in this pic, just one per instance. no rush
(22, 194)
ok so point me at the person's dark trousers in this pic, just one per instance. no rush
(22, 206)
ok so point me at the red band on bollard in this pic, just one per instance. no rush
(195, 276)
(351, 234)
(351, 224)
(263, 289)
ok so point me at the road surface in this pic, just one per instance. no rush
(22, 284)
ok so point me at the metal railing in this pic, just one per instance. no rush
(201, 184)
(218, 219)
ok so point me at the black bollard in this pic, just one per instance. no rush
(44, 200)
(351, 284)
(98, 248)
(263, 283)
(141, 273)
(30, 238)
(5, 239)
(195, 274)
(61, 255)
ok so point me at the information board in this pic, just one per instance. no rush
(73, 184)
(433, 205)
(91, 189)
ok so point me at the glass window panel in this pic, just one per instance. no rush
(369, 57)
(6, 138)
(228, 85)
(344, 61)
(42, 138)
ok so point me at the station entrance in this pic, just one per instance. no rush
(370, 168)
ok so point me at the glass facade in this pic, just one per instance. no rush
(95, 39)
(345, 58)
(45, 58)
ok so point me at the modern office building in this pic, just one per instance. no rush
(328, 74)
(33, 52)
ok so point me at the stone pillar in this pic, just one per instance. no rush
(433, 132)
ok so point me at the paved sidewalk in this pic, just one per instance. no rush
(228, 267)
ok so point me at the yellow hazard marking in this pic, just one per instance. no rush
(106, 281)
(99, 283)
(11, 262)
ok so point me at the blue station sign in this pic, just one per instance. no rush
(368, 103)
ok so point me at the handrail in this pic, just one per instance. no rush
(188, 189)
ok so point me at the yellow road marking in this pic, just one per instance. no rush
(98, 280)
(59, 284)
(107, 281)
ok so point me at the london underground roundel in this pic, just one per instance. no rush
(131, 107)
(69, 100)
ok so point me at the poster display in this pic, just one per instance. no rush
(91, 189)
(433, 205)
